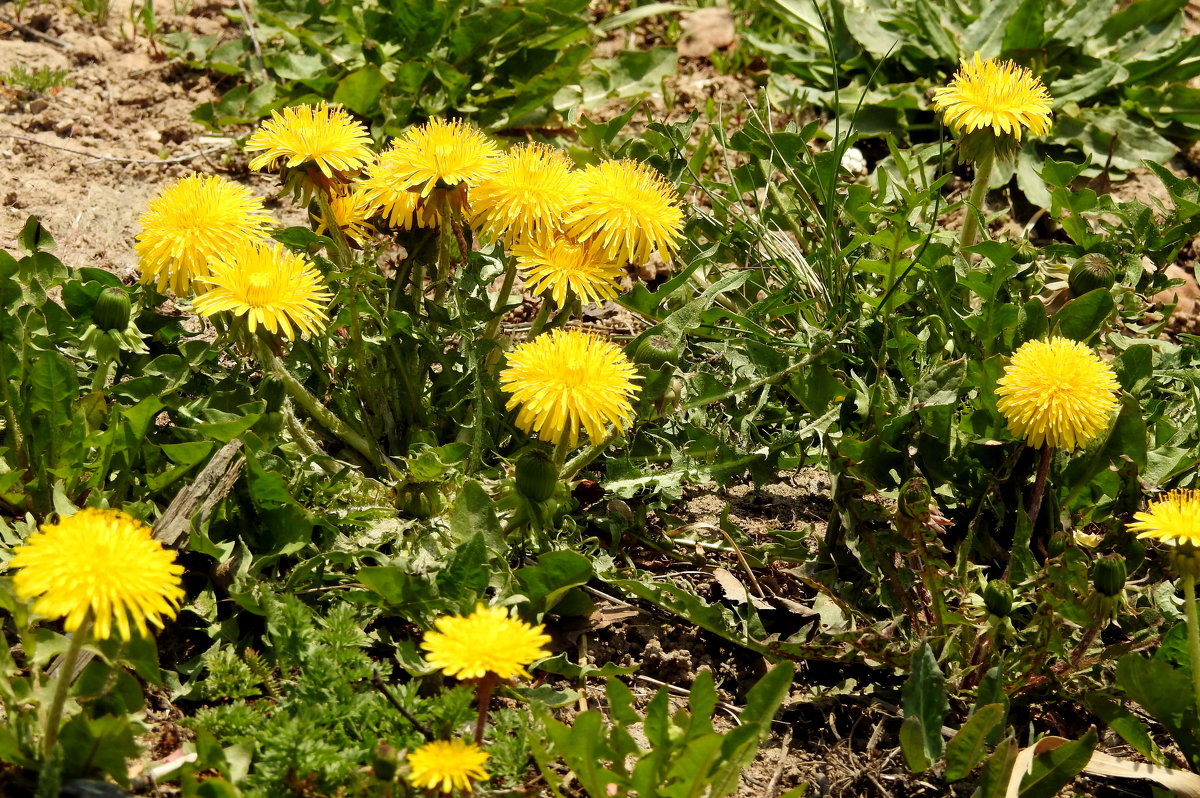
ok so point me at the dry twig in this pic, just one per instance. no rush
(113, 159)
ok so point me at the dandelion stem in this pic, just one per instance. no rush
(983, 175)
(1189, 597)
(539, 321)
(560, 453)
(510, 277)
(1039, 484)
(483, 697)
(569, 309)
(321, 414)
(62, 684)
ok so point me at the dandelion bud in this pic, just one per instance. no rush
(1090, 272)
(112, 309)
(1108, 575)
(998, 598)
(385, 761)
(913, 501)
(537, 477)
(656, 352)
(1025, 252)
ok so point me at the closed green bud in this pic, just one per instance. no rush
(914, 499)
(112, 309)
(1090, 272)
(998, 598)
(273, 392)
(1108, 575)
(1058, 543)
(537, 476)
(385, 761)
(656, 351)
(1025, 252)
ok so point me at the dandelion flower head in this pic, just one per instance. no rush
(270, 286)
(387, 194)
(446, 765)
(1173, 519)
(189, 223)
(994, 94)
(559, 265)
(438, 152)
(323, 135)
(628, 208)
(566, 379)
(1058, 393)
(486, 641)
(101, 562)
(352, 211)
(526, 197)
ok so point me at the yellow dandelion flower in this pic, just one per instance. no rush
(994, 94)
(324, 135)
(352, 210)
(269, 286)
(101, 562)
(439, 152)
(527, 197)
(486, 641)
(556, 264)
(384, 189)
(446, 765)
(628, 208)
(567, 379)
(1058, 393)
(1173, 519)
(189, 223)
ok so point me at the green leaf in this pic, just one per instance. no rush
(359, 91)
(764, 698)
(1128, 725)
(913, 745)
(924, 697)
(1026, 28)
(556, 573)
(473, 514)
(993, 781)
(1053, 770)
(54, 388)
(967, 748)
(35, 238)
(1166, 693)
(465, 577)
(1083, 316)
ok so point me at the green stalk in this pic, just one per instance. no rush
(983, 174)
(321, 414)
(1189, 596)
(483, 694)
(62, 684)
(560, 453)
(581, 460)
(564, 315)
(510, 277)
(539, 321)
